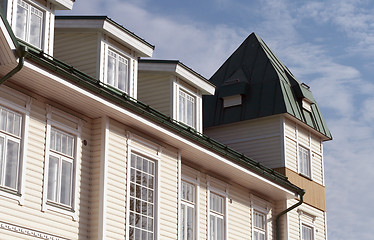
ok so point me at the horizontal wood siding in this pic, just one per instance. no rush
(295, 217)
(155, 90)
(258, 139)
(30, 214)
(239, 214)
(96, 140)
(168, 190)
(78, 49)
(116, 182)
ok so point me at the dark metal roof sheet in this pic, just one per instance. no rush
(267, 87)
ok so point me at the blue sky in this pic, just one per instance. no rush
(328, 44)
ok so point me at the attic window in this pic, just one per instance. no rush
(306, 104)
(232, 101)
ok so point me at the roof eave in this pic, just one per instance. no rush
(63, 4)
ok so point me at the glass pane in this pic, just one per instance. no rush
(122, 76)
(3, 119)
(212, 228)
(64, 144)
(58, 141)
(190, 222)
(21, 22)
(52, 178)
(2, 140)
(111, 70)
(70, 150)
(190, 113)
(182, 107)
(220, 229)
(11, 168)
(10, 123)
(183, 218)
(66, 183)
(36, 27)
(17, 125)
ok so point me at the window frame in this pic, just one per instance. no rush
(24, 111)
(132, 149)
(256, 229)
(188, 203)
(76, 132)
(301, 161)
(129, 84)
(302, 225)
(43, 29)
(195, 106)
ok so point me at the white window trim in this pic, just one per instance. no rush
(77, 155)
(299, 161)
(196, 183)
(223, 193)
(308, 219)
(157, 159)
(263, 209)
(25, 112)
(45, 31)
(109, 47)
(197, 118)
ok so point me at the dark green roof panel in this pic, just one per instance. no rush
(266, 85)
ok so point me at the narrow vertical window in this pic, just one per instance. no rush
(216, 217)
(304, 161)
(142, 198)
(118, 71)
(306, 232)
(29, 23)
(60, 167)
(187, 108)
(259, 226)
(10, 148)
(188, 211)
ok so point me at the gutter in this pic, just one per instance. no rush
(286, 211)
(22, 53)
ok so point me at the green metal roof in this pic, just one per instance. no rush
(267, 88)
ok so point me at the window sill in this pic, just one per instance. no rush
(11, 194)
(306, 176)
(59, 208)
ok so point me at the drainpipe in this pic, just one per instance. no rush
(286, 211)
(22, 53)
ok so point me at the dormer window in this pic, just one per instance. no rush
(187, 106)
(29, 23)
(118, 71)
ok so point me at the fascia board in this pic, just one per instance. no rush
(79, 24)
(176, 69)
(195, 80)
(63, 4)
(127, 39)
(257, 182)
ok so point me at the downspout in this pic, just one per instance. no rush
(22, 53)
(286, 211)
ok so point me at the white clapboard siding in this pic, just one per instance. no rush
(168, 190)
(155, 90)
(295, 218)
(258, 139)
(30, 213)
(96, 140)
(239, 213)
(116, 182)
(317, 168)
(291, 154)
(78, 49)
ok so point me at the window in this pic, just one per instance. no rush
(60, 168)
(10, 148)
(304, 161)
(29, 23)
(306, 232)
(216, 217)
(142, 198)
(259, 226)
(187, 108)
(118, 71)
(188, 211)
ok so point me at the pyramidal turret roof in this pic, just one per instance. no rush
(266, 87)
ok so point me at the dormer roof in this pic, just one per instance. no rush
(109, 27)
(267, 88)
(180, 70)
